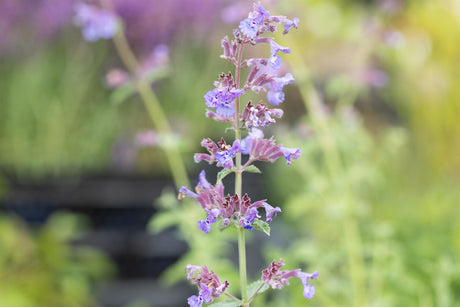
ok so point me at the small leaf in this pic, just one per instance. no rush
(252, 169)
(252, 288)
(262, 226)
(122, 93)
(226, 304)
(221, 175)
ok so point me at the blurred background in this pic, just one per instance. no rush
(88, 208)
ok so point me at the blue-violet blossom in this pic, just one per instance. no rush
(234, 209)
(208, 284)
(276, 279)
(95, 23)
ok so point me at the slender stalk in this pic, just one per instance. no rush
(242, 262)
(231, 296)
(151, 102)
(238, 189)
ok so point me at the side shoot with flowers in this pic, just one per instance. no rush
(225, 105)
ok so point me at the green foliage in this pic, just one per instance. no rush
(42, 269)
(368, 232)
(223, 173)
(55, 114)
(256, 288)
(252, 169)
(261, 226)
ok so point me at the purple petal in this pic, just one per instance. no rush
(290, 153)
(289, 24)
(204, 225)
(275, 62)
(206, 293)
(225, 111)
(271, 212)
(262, 11)
(309, 291)
(195, 301)
(275, 97)
(184, 191)
(249, 27)
(202, 180)
(212, 215)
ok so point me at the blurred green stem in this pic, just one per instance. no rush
(319, 119)
(151, 102)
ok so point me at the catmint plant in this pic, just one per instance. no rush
(225, 105)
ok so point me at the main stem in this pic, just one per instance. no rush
(238, 189)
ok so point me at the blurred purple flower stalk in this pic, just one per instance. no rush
(104, 23)
(224, 106)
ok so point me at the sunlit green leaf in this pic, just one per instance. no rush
(257, 286)
(252, 169)
(223, 173)
(262, 226)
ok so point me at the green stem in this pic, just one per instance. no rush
(238, 189)
(152, 104)
(242, 262)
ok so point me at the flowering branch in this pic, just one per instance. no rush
(238, 210)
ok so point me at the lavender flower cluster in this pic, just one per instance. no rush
(224, 104)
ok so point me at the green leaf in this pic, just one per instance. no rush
(262, 226)
(221, 175)
(122, 93)
(252, 288)
(226, 304)
(252, 169)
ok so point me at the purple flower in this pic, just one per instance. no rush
(262, 11)
(212, 149)
(225, 156)
(208, 283)
(276, 279)
(147, 138)
(275, 95)
(205, 295)
(207, 195)
(195, 301)
(221, 99)
(259, 148)
(205, 225)
(250, 27)
(308, 290)
(290, 153)
(116, 78)
(289, 24)
(96, 23)
(249, 218)
(275, 61)
(222, 153)
(260, 115)
(270, 212)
